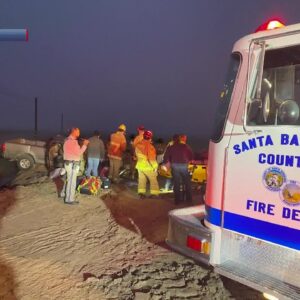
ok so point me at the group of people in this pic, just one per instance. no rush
(176, 157)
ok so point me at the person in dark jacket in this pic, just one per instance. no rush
(179, 155)
(95, 154)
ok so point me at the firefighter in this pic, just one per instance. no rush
(146, 165)
(116, 148)
(135, 141)
(140, 136)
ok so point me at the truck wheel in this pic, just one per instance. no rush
(25, 162)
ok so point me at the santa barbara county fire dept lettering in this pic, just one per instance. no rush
(291, 213)
(268, 209)
(253, 143)
(272, 159)
(260, 207)
(279, 160)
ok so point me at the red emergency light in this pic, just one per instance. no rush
(2, 148)
(269, 25)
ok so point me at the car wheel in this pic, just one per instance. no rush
(25, 162)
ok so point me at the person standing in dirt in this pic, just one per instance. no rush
(135, 141)
(116, 148)
(95, 154)
(72, 155)
(146, 165)
(179, 155)
(169, 180)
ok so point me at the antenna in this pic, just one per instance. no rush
(35, 116)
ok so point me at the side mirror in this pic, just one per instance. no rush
(288, 112)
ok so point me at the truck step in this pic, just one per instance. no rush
(258, 281)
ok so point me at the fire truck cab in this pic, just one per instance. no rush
(249, 227)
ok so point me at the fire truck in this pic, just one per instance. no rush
(249, 227)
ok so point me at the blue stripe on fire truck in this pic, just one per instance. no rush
(270, 232)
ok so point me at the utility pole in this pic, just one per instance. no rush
(62, 123)
(35, 116)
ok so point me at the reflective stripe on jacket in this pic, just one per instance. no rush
(117, 145)
(146, 156)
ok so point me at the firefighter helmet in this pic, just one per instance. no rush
(122, 127)
(148, 135)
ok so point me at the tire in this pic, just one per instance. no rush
(25, 162)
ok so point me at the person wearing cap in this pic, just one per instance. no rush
(116, 148)
(179, 155)
(72, 156)
(146, 165)
(95, 153)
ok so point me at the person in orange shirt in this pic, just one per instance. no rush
(116, 148)
(146, 165)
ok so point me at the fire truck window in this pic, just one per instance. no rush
(225, 97)
(280, 90)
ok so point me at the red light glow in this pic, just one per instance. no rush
(3, 148)
(269, 25)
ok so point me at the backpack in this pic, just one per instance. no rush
(89, 186)
(105, 183)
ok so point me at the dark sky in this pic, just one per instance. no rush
(160, 63)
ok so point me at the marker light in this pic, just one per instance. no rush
(271, 24)
(269, 297)
(199, 245)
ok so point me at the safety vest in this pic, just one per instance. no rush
(146, 156)
(117, 145)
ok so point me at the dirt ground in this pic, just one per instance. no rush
(107, 247)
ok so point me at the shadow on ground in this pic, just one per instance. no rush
(147, 217)
(237, 290)
(8, 171)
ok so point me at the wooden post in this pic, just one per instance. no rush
(35, 116)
